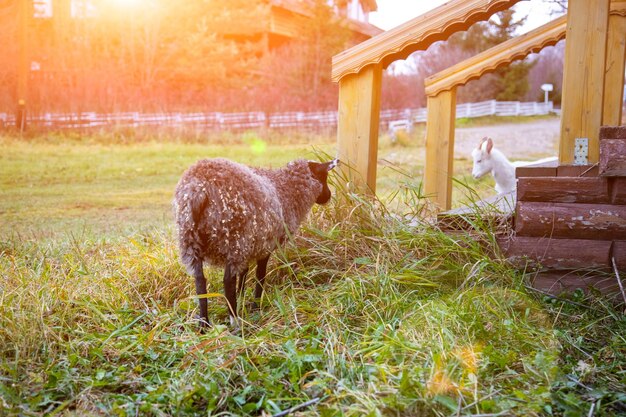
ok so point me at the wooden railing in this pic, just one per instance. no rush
(500, 55)
(441, 92)
(416, 34)
(359, 73)
(592, 84)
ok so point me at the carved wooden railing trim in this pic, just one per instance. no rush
(416, 34)
(618, 8)
(493, 58)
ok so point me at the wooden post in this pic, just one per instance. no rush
(440, 148)
(23, 64)
(614, 78)
(583, 77)
(357, 132)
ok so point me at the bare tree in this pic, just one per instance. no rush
(559, 6)
(547, 69)
(9, 53)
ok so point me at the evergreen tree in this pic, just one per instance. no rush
(507, 83)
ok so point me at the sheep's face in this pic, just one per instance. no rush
(483, 163)
(320, 173)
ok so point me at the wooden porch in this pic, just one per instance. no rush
(595, 34)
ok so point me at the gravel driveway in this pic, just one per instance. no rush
(520, 141)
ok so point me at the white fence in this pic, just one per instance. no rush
(256, 120)
(503, 108)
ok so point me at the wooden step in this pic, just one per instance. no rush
(542, 252)
(557, 282)
(570, 220)
(564, 190)
(557, 171)
(495, 209)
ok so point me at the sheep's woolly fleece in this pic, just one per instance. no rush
(229, 213)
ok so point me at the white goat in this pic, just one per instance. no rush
(489, 159)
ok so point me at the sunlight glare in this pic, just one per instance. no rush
(128, 4)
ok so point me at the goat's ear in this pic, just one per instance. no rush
(489, 145)
(483, 140)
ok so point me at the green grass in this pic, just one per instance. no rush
(110, 187)
(363, 311)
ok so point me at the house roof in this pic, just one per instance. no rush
(369, 5)
(364, 28)
(299, 6)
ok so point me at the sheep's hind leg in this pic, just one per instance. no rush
(198, 274)
(230, 287)
(261, 270)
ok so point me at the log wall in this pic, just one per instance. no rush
(570, 221)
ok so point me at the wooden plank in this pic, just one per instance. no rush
(440, 148)
(614, 77)
(543, 252)
(564, 190)
(416, 34)
(583, 77)
(557, 282)
(619, 253)
(571, 221)
(577, 171)
(521, 172)
(618, 190)
(613, 157)
(357, 130)
(496, 209)
(613, 132)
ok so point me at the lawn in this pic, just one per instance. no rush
(364, 313)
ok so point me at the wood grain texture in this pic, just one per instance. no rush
(357, 131)
(493, 58)
(583, 77)
(618, 190)
(521, 172)
(571, 221)
(416, 34)
(564, 190)
(557, 282)
(613, 157)
(618, 8)
(614, 77)
(556, 253)
(613, 132)
(577, 171)
(438, 166)
(619, 253)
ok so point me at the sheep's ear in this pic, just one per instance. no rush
(489, 145)
(316, 167)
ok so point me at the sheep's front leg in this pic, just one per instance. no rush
(198, 274)
(261, 270)
(241, 282)
(230, 287)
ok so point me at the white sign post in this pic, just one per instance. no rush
(547, 88)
